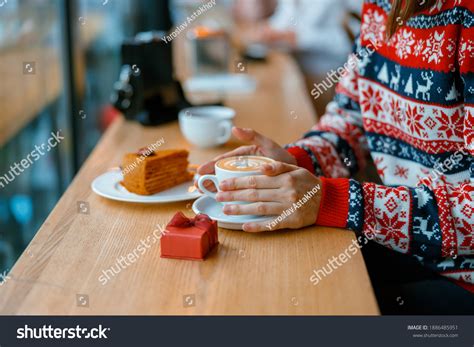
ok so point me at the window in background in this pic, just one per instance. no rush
(33, 107)
(42, 44)
(101, 27)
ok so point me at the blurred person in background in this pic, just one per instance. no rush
(319, 33)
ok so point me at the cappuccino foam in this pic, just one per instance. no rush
(243, 163)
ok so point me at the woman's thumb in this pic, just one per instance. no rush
(250, 135)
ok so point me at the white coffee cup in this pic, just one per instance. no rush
(206, 126)
(240, 167)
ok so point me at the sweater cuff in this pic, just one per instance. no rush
(302, 158)
(334, 206)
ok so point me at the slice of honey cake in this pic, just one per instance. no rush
(152, 172)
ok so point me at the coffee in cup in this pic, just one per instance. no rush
(231, 167)
(243, 163)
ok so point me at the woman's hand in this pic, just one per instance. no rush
(260, 145)
(282, 187)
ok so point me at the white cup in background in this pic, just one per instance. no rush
(206, 126)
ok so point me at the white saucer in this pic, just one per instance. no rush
(108, 185)
(213, 209)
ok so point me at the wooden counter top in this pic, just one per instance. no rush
(267, 273)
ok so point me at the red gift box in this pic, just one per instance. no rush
(189, 238)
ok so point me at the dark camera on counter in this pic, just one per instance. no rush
(146, 90)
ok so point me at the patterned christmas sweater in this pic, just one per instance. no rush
(409, 103)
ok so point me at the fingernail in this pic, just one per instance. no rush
(247, 227)
(268, 167)
(219, 197)
(228, 209)
(223, 185)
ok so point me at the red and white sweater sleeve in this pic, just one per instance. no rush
(428, 221)
(335, 147)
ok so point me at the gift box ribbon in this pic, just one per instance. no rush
(201, 221)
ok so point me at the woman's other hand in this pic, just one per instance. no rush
(289, 193)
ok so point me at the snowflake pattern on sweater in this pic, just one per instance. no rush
(409, 103)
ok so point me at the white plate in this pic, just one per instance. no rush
(108, 185)
(213, 209)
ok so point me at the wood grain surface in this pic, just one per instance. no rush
(256, 274)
